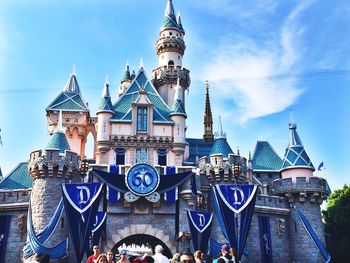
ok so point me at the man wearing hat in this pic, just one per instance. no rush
(225, 255)
(158, 256)
(123, 256)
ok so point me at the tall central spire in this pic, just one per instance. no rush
(208, 135)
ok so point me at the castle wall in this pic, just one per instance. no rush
(15, 203)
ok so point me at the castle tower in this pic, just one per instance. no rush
(170, 50)
(304, 191)
(178, 115)
(126, 80)
(49, 168)
(104, 113)
(208, 119)
(76, 115)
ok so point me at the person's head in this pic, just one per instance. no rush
(198, 255)
(110, 256)
(123, 254)
(102, 258)
(158, 249)
(42, 258)
(96, 250)
(225, 250)
(176, 257)
(232, 252)
(186, 257)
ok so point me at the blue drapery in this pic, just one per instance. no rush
(47, 232)
(200, 227)
(265, 239)
(4, 232)
(170, 196)
(313, 235)
(233, 207)
(81, 215)
(57, 252)
(166, 183)
(113, 195)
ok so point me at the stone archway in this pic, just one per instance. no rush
(142, 239)
(142, 229)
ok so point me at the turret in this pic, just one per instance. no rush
(170, 50)
(306, 192)
(49, 168)
(178, 115)
(296, 162)
(76, 115)
(126, 80)
(208, 119)
(104, 113)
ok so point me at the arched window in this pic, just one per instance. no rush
(142, 119)
(171, 64)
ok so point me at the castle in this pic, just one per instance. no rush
(147, 124)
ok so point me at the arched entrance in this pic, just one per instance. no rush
(140, 239)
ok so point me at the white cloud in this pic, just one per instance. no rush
(255, 77)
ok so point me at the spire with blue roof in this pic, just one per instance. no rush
(127, 75)
(178, 107)
(295, 155)
(58, 139)
(105, 103)
(179, 23)
(220, 145)
(70, 99)
(169, 20)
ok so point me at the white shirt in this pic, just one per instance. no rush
(160, 258)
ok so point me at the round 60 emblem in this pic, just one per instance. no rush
(142, 179)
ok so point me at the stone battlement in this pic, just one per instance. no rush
(52, 163)
(314, 187)
(168, 75)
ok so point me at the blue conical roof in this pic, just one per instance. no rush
(179, 23)
(169, 20)
(105, 103)
(127, 75)
(295, 155)
(178, 107)
(72, 84)
(220, 144)
(59, 141)
(70, 99)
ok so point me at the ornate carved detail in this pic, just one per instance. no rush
(169, 75)
(53, 164)
(281, 226)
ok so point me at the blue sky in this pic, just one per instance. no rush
(262, 58)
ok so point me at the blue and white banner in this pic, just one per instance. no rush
(4, 233)
(235, 206)
(200, 227)
(81, 204)
(236, 197)
(313, 235)
(265, 239)
(172, 195)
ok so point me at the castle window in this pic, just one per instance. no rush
(162, 154)
(171, 33)
(120, 156)
(171, 64)
(141, 118)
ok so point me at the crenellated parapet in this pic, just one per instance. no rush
(169, 75)
(313, 189)
(149, 141)
(51, 163)
(224, 169)
(170, 44)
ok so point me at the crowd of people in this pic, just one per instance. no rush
(226, 256)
